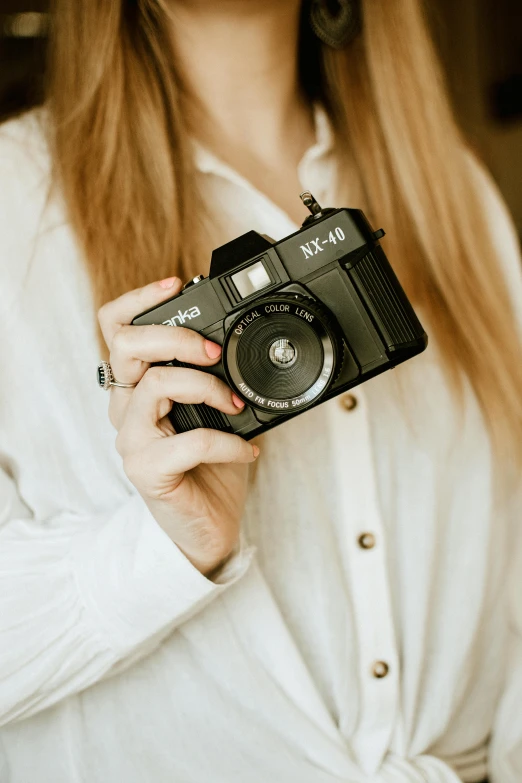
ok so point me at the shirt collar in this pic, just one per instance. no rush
(207, 162)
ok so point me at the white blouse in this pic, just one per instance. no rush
(362, 633)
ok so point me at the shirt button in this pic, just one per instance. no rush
(348, 402)
(380, 669)
(366, 540)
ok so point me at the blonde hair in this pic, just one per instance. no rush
(122, 159)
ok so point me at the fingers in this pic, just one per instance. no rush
(173, 456)
(135, 347)
(152, 400)
(189, 449)
(122, 310)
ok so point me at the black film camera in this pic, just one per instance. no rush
(300, 321)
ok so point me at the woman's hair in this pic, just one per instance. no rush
(123, 161)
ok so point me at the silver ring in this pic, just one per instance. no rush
(105, 378)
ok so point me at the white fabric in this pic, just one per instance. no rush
(119, 661)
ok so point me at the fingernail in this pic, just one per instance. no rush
(213, 350)
(237, 402)
(168, 282)
(255, 449)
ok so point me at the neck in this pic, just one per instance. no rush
(239, 59)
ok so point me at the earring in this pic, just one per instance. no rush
(335, 22)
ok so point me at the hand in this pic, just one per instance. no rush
(194, 483)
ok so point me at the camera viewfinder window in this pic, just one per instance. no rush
(251, 279)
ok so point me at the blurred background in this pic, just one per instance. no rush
(480, 42)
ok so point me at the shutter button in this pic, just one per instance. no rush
(366, 540)
(348, 402)
(194, 281)
(380, 669)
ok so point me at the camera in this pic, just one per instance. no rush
(299, 321)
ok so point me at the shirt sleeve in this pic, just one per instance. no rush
(506, 746)
(505, 760)
(82, 595)
(81, 598)
(505, 757)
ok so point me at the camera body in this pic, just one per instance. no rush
(300, 320)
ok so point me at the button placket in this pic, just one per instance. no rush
(364, 552)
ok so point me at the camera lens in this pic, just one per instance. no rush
(268, 373)
(281, 354)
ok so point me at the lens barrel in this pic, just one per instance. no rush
(282, 353)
